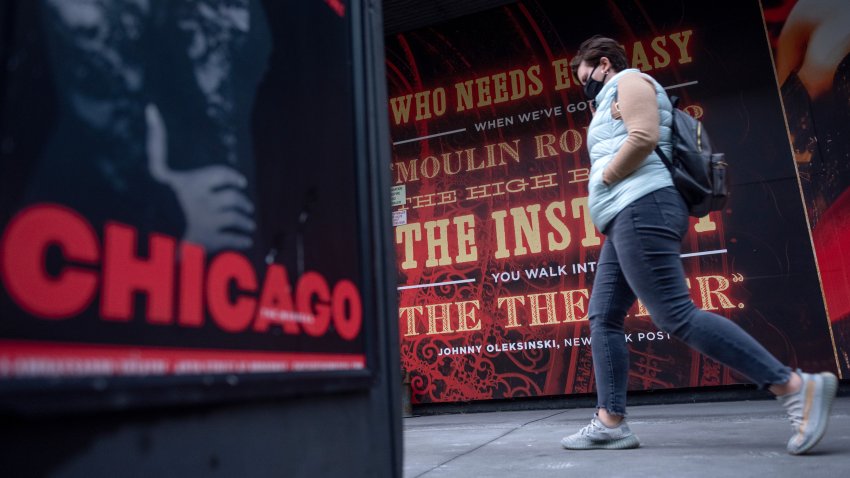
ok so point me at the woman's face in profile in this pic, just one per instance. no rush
(585, 71)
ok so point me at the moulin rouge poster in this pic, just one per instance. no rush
(158, 214)
(496, 252)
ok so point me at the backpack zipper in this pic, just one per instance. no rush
(699, 136)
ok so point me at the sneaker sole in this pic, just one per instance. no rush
(624, 443)
(830, 387)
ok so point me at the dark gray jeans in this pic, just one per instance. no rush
(641, 256)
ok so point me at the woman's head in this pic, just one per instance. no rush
(597, 47)
(600, 54)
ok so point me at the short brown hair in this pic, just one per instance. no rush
(597, 46)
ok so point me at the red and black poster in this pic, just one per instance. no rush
(496, 251)
(812, 54)
(178, 190)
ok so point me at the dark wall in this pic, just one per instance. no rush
(343, 435)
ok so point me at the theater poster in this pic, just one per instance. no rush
(812, 54)
(177, 199)
(496, 252)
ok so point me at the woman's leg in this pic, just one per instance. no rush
(609, 302)
(648, 241)
(645, 238)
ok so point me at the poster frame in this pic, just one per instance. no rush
(53, 395)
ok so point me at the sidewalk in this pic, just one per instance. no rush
(740, 439)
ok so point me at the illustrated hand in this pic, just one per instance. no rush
(218, 213)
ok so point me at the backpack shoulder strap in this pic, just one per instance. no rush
(664, 158)
(674, 101)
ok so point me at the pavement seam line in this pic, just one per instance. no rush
(489, 442)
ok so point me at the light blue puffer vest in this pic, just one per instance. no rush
(605, 135)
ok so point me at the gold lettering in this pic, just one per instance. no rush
(434, 243)
(558, 225)
(570, 141)
(516, 185)
(447, 197)
(534, 304)
(443, 318)
(562, 73)
(466, 318)
(705, 224)
(513, 152)
(517, 84)
(439, 103)
(500, 88)
(525, 229)
(470, 161)
(501, 242)
(544, 144)
(405, 174)
(663, 58)
(477, 192)
(425, 200)
(464, 95)
(575, 299)
(582, 211)
(536, 86)
(467, 251)
(447, 163)
(639, 59)
(511, 308)
(483, 91)
(401, 108)
(423, 110)
(681, 40)
(581, 175)
(410, 314)
(543, 181)
(705, 292)
(406, 234)
(491, 156)
(434, 169)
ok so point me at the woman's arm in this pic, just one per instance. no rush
(638, 108)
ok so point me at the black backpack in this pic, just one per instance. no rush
(698, 173)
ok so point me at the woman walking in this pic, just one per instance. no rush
(633, 202)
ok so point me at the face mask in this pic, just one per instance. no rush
(593, 87)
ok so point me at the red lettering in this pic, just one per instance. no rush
(191, 309)
(124, 274)
(275, 300)
(67, 288)
(22, 264)
(311, 285)
(346, 296)
(230, 268)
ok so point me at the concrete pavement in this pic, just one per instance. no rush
(745, 438)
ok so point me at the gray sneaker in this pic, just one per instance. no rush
(598, 436)
(808, 410)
